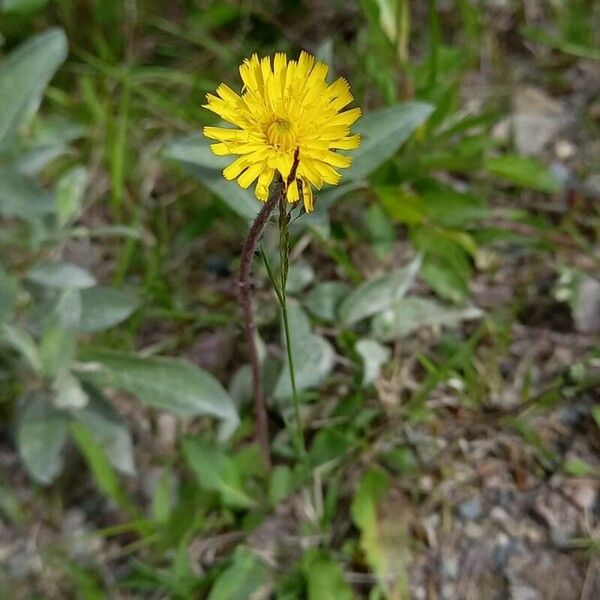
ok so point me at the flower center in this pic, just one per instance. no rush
(281, 134)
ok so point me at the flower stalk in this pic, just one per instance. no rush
(284, 253)
(277, 196)
(245, 295)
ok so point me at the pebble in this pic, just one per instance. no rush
(473, 531)
(587, 312)
(426, 483)
(448, 591)
(523, 592)
(536, 120)
(502, 552)
(564, 149)
(450, 566)
(470, 509)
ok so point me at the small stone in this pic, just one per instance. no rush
(470, 509)
(502, 552)
(582, 492)
(450, 567)
(430, 525)
(420, 593)
(564, 149)
(561, 173)
(587, 312)
(523, 592)
(426, 483)
(560, 538)
(592, 184)
(167, 431)
(501, 131)
(473, 531)
(499, 515)
(537, 119)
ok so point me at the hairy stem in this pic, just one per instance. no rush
(245, 294)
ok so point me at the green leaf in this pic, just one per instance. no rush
(402, 205)
(22, 198)
(167, 383)
(410, 314)
(41, 436)
(384, 535)
(48, 139)
(8, 294)
(324, 577)
(446, 264)
(318, 220)
(596, 414)
(11, 510)
(299, 276)
(449, 208)
(382, 133)
(373, 485)
(373, 355)
(110, 231)
(323, 300)
(195, 149)
(217, 472)
(103, 307)
(381, 230)
(329, 444)
(21, 341)
(577, 468)
(24, 75)
(378, 294)
(105, 477)
(559, 43)
(60, 275)
(523, 171)
(163, 497)
(444, 276)
(108, 430)
(431, 201)
(21, 6)
(33, 161)
(246, 575)
(68, 392)
(69, 194)
(313, 356)
(59, 337)
(281, 483)
(194, 153)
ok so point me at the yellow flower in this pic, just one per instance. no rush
(286, 114)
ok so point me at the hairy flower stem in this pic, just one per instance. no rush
(245, 292)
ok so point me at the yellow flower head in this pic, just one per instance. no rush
(289, 121)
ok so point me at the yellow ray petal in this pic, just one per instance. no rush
(235, 168)
(250, 174)
(228, 95)
(222, 134)
(220, 149)
(347, 117)
(307, 196)
(292, 192)
(335, 159)
(264, 181)
(328, 174)
(348, 143)
(309, 171)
